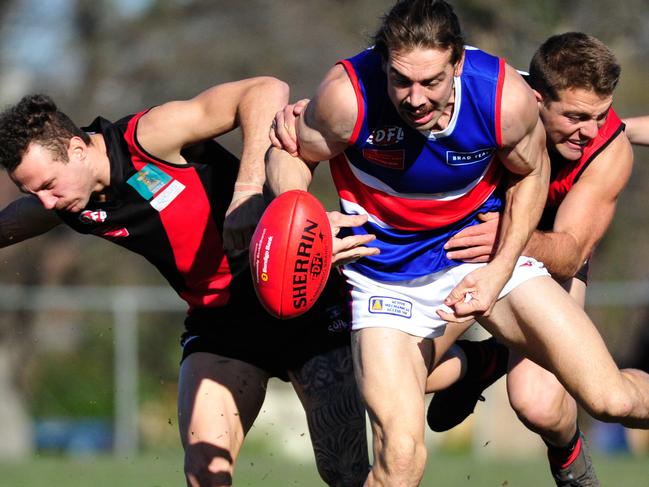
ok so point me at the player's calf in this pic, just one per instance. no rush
(208, 466)
(571, 466)
(400, 461)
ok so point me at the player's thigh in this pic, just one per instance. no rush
(442, 344)
(541, 321)
(577, 290)
(391, 369)
(335, 414)
(218, 400)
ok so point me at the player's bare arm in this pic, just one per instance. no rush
(637, 129)
(586, 212)
(328, 120)
(525, 157)
(25, 218)
(255, 110)
(582, 218)
(249, 104)
(215, 111)
(321, 129)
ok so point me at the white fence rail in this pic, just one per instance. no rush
(125, 303)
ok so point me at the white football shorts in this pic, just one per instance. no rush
(411, 305)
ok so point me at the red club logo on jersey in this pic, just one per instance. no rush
(383, 136)
(89, 216)
(390, 158)
(116, 233)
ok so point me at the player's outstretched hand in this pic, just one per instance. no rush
(476, 243)
(242, 216)
(283, 134)
(475, 295)
(352, 247)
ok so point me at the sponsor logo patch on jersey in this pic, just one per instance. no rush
(386, 136)
(392, 159)
(156, 186)
(90, 216)
(149, 180)
(390, 306)
(455, 158)
(167, 195)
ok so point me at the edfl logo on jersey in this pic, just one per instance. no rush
(386, 136)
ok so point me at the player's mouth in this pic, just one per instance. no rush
(420, 117)
(577, 145)
(70, 207)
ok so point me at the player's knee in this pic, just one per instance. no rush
(611, 408)
(207, 467)
(542, 413)
(404, 456)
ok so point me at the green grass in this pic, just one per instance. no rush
(265, 469)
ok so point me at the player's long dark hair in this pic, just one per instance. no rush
(420, 23)
(35, 118)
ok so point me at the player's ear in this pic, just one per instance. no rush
(459, 65)
(538, 96)
(77, 148)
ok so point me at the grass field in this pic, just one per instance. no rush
(265, 469)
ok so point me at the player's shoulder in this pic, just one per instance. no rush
(335, 105)
(610, 166)
(519, 107)
(615, 153)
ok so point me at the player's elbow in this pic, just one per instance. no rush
(563, 275)
(274, 86)
(567, 269)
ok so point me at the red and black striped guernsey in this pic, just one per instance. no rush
(171, 214)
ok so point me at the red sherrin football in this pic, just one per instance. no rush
(290, 254)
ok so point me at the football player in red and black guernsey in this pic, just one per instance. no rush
(157, 184)
(573, 76)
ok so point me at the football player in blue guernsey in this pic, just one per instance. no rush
(421, 134)
(158, 184)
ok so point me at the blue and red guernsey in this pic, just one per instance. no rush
(566, 173)
(172, 214)
(420, 188)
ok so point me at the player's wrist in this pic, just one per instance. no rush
(248, 187)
